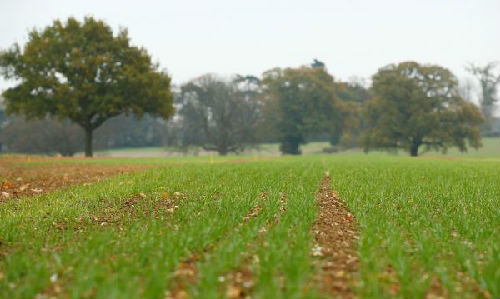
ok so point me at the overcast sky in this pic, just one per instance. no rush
(353, 37)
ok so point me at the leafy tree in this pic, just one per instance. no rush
(488, 97)
(305, 103)
(216, 115)
(84, 73)
(417, 105)
(353, 91)
(354, 94)
(266, 129)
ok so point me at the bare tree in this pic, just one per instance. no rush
(216, 115)
(467, 89)
(488, 97)
(42, 136)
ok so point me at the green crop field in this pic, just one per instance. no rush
(242, 227)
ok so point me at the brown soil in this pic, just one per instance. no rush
(335, 254)
(19, 176)
(239, 282)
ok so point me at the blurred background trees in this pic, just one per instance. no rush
(303, 103)
(80, 86)
(46, 136)
(219, 115)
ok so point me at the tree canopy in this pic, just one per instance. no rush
(415, 105)
(305, 103)
(81, 71)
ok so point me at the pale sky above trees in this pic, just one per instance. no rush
(352, 37)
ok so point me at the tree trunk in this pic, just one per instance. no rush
(414, 149)
(88, 143)
(290, 147)
(294, 149)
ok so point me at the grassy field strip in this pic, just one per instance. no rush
(155, 161)
(187, 276)
(285, 272)
(251, 241)
(113, 263)
(429, 228)
(229, 253)
(284, 267)
(240, 280)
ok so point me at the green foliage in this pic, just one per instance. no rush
(84, 73)
(303, 102)
(353, 92)
(416, 105)
(354, 95)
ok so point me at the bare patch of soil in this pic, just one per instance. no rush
(336, 233)
(19, 176)
(240, 282)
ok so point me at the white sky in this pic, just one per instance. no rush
(353, 37)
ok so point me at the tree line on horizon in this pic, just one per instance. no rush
(82, 86)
